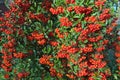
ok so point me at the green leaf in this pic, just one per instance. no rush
(85, 41)
(115, 77)
(47, 49)
(75, 68)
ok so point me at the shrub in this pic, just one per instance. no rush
(58, 40)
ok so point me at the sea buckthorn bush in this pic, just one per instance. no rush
(59, 40)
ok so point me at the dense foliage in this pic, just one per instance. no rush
(59, 40)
